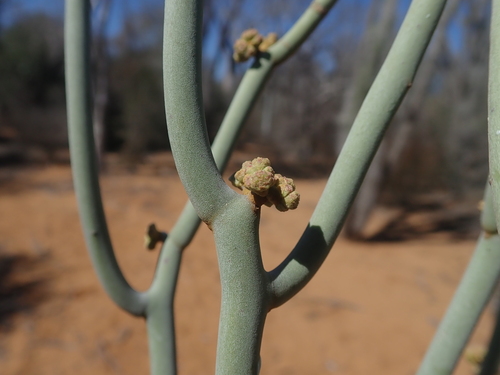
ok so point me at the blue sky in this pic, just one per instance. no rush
(16, 8)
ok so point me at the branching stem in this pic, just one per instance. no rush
(468, 302)
(385, 95)
(84, 162)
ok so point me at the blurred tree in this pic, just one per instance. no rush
(372, 50)
(31, 71)
(437, 139)
(294, 117)
(136, 83)
(466, 84)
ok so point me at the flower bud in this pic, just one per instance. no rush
(249, 34)
(258, 177)
(268, 41)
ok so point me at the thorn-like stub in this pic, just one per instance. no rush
(480, 206)
(265, 187)
(153, 236)
(475, 356)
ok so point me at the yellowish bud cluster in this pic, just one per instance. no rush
(251, 43)
(258, 178)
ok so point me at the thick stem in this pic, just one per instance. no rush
(167, 269)
(494, 107)
(83, 159)
(245, 296)
(488, 222)
(184, 108)
(160, 312)
(469, 301)
(385, 95)
(492, 358)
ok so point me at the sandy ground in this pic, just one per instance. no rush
(371, 309)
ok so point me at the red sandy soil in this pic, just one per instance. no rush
(371, 309)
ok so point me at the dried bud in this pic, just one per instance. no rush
(283, 194)
(240, 46)
(292, 200)
(259, 182)
(268, 41)
(256, 164)
(249, 34)
(153, 236)
(243, 50)
(250, 43)
(258, 177)
(256, 40)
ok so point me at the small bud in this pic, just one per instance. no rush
(238, 58)
(256, 164)
(283, 194)
(256, 40)
(250, 43)
(268, 41)
(259, 182)
(243, 50)
(249, 34)
(285, 185)
(258, 178)
(240, 46)
(292, 200)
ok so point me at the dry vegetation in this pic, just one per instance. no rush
(372, 308)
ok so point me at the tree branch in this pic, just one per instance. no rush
(304, 26)
(469, 300)
(184, 108)
(83, 159)
(390, 86)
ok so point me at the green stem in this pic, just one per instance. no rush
(243, 101)
(494, 107)
(469, 301)
(465, 308)
(83, 159)
(385, 95)
(492, 211)
(300, 31)
(160, 312)
(255, 78)
(165, 280)
(492, 359)
(184, 108)
(488, 221)
(245, 296)
(245, 285)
